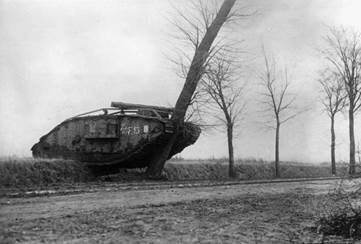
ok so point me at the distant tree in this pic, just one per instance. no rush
(277, 101)
(221, 84)
(344, 54)
(333, 99)
(194, 74)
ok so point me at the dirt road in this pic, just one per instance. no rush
(257, 213)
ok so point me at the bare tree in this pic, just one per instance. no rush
(221, 84)
(194, 74)
(190, 28)
(333, 100)
(344, 54)
(277, 101)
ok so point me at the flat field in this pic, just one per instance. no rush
(258, 213)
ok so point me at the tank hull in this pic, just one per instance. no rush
(122, 140)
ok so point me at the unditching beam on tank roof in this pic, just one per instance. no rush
(122, 105)
(104, 110)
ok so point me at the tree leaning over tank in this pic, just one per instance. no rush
(192, 79)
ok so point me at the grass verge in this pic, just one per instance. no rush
(28, 172)
(247, 169)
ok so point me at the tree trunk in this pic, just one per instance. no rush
(352, 139)
(333, 139)
(154, 171)
(231, 172)
(194, 75)
(277, 166)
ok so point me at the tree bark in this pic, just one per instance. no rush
(352, 139)
(333, 148)
(194, 74)
(277, 166)
(231, 171)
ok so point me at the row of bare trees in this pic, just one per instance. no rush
(212, 82)
(341, 84)
(341, 90)
(220, 91)
(222, 94)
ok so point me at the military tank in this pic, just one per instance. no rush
(122, 136)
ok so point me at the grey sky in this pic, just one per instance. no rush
(60, 58)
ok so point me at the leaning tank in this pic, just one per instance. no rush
(123, 136)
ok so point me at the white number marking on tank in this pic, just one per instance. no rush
(136, 130)
(130, 130)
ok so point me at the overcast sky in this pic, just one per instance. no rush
(61, 58)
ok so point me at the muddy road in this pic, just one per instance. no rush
(257, 213)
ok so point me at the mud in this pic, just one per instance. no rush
(272, 213)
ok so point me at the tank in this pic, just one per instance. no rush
(123, 136)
